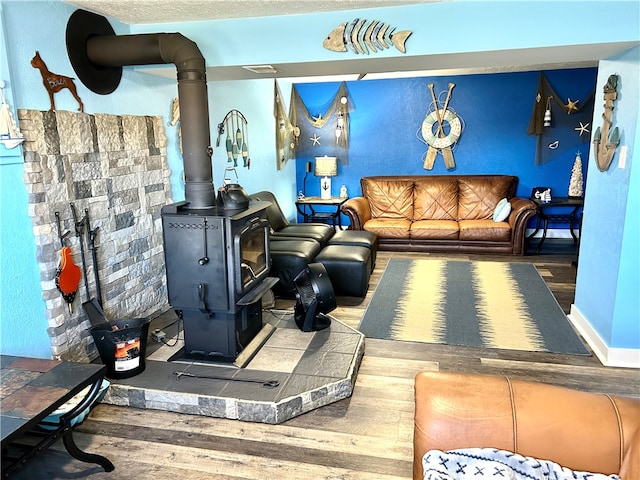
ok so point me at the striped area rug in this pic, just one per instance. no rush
(479, 304)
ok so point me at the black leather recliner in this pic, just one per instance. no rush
(348, 256)
(282, 228)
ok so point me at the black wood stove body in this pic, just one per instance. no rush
(217, 265)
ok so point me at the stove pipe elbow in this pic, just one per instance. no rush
(100, 48)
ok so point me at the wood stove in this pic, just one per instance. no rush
(217, 260)
(217, 265)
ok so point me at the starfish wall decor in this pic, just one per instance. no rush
(582, 128)
(571, 105)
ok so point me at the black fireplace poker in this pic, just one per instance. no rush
(264, 383)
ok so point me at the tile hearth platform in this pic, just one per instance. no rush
(312, 369)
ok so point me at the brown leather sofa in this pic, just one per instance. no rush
(441, 213)
(582, 431)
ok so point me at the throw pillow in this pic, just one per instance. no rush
(502, 210)
(491, 463)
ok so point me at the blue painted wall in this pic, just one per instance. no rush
(255, 41)
(254, 98)
(607, 286)
(385, 128)
(23, 326)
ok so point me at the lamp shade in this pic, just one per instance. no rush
(326, 167)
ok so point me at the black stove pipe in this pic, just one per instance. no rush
(104, 50)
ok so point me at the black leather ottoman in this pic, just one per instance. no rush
(360, 238)
(289, 256)
(319, 232)
(349, 268)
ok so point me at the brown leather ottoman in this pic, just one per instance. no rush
(349, 268)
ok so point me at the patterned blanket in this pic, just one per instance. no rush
(481, 463)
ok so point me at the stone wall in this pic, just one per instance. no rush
(115, 166)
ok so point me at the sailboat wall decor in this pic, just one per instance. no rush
(10, 134)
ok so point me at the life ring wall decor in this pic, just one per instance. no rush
(429, 134)
(441, 129)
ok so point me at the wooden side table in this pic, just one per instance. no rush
(313, 215)
(30, 390)
(545, 216)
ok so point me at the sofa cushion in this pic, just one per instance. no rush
(388, 227)
(485, 230)
(389, 198)
(320, 232)
(479, 195)
(435, 229)
(435, 198)
(631, 464)
(579, 430)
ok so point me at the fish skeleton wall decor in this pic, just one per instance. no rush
(361, 36)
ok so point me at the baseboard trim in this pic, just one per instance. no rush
(552, 233)
(610, 357)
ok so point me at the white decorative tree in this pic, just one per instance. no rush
(576, 181)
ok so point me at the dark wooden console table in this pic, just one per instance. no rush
(332, 216)
(30, 390)
(547, 215)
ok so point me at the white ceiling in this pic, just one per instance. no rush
(168, 11)
(164, 11)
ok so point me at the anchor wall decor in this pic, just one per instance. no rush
(605, 145)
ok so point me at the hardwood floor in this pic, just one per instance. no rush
(367, 436)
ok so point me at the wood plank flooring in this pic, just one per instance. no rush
(367, 436)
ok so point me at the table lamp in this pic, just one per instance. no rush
(326, 167)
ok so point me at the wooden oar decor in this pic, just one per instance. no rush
(448, 128)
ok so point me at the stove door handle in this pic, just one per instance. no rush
(202, 297)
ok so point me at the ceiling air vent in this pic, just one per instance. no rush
(261, 69)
